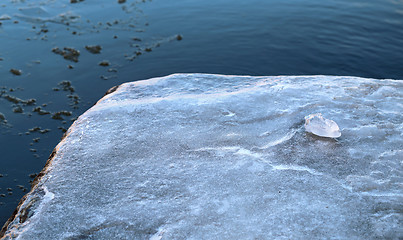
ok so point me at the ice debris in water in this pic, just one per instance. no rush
(320, 126)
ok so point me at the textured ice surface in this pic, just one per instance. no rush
(320, 126)
(193, 156)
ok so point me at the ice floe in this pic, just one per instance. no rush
(203, 156)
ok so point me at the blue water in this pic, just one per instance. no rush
(255, 37)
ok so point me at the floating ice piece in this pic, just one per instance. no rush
(320, 126)
(4, 17)
(212, 176)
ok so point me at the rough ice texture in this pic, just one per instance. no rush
(194, 156)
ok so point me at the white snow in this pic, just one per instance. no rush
(199, 156)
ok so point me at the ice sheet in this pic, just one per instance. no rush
(197, 156)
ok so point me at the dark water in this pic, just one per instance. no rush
(254, 37)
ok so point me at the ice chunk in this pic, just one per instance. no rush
(5, 17)
(320, 126)
(201, 156)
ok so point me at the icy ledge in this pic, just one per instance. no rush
(195, 156)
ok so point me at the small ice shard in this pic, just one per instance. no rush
(320, 126)
(5, 17)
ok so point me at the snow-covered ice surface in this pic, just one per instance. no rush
(196, 156)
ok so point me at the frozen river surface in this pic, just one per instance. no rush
(199, 156)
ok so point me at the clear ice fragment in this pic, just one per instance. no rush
(320, 126)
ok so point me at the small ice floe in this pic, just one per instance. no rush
(4, 17)
(320, 126)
